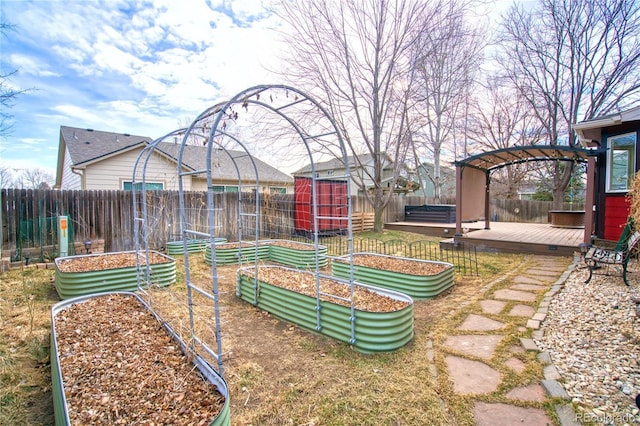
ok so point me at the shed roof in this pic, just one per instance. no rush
(521, 154)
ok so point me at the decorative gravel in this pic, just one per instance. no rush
(592, 332)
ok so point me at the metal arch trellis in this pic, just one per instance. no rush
(214, 121)
(266, 97)
(141, 238)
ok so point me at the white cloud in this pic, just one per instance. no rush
(29, 65)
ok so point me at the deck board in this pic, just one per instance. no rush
(539, 238)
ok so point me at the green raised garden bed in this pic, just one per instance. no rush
(236, 253)
(296, 254)
(98, 273)
(193, 246)
(383, 320)
(420, 279)
(290, 253)
(114, 362)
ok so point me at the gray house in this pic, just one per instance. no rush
(360, 168)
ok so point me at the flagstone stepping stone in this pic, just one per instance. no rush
(533, 392)
(532, 287)
(492, 306)
(526, 280)
(520, 296)
(487, 414)
(515, 364)
(480, 323)
(552, 271)
(522, 311)
(482, 346)
(471, 377)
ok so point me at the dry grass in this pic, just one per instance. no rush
(277, 373)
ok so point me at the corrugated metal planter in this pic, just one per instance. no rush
(234, 253)
(193, 246)
(111, 277)
(298, 255)
(60, 404)
(374, 331)
(435, 277)
(291, 253)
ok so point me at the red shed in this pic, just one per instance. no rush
(331, 205)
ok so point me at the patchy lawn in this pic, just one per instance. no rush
(277, 373)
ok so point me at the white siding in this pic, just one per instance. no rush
(70, 180)
(112, 172)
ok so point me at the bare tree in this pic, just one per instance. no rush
(34, 179)
(6, 177)
(354, 56)
(572, 61)
(447, 57)
(500, 118)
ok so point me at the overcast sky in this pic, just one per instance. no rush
(139, 67)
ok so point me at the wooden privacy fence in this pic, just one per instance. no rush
(29, 217)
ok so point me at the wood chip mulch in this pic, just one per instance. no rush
(106, 261)
(394, 264)
(305, 283)
(119, 366)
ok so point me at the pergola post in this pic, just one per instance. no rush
(487, 196)
(589, 201)
(458, 200)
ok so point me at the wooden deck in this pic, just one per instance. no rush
(504, 237)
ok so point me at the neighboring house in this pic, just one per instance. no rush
(361, 169)
(614, 140)
(92, 159)
(447, 177)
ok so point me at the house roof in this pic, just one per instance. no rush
(632, 114)
(338, 163)
(195, 157)
(588, 131)
(87, 145)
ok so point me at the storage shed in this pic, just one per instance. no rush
(330, 198)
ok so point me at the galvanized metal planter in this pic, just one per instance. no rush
(73, 284)
(374, 331)
(234, 253)
(193, 246)
(303, 257)
(270, 250)
(61, 409)
(418, 287)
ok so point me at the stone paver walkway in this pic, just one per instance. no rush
(471, 347)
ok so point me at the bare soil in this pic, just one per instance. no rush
(121, 367)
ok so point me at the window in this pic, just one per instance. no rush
(277, 190)
(224, 188)
(149, 186)
(621, 161)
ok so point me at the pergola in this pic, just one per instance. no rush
(473, 178)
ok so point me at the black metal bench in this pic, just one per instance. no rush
(601, 256)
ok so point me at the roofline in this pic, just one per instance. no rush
(111, 154)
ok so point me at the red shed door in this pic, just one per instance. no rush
(616, 212)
